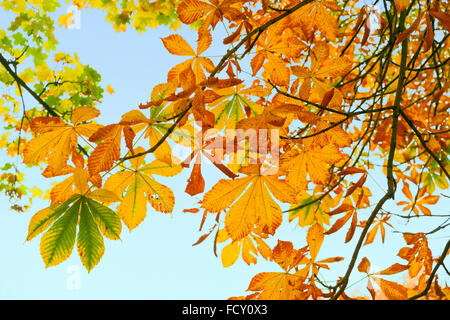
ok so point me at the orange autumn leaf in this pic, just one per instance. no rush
(364, 265)
(317, 110)
(107, 151)
(176, 45)
(392, 290)
(315, 238)
(312, 161)
(254, 205)
(58, 140)
(395, 268)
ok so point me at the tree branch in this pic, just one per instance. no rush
(390, 177)
(22, 83)
(424, 144)
(222, 61)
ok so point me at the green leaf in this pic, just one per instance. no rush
(441, 182)
(57, 243)
(90, 241)
(107, 220)
(45, 217)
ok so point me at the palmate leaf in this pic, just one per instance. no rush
(231, 107)
(45, 217)
(308, 210)
(90, 241)
(250, 201)
(57, 139)
(140, 188)
(106, 219)
(57, 243)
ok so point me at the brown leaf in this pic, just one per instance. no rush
(364, 265)
(196, 183)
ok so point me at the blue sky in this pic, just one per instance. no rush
(156, 260)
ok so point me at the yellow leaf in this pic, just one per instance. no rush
(103, 195)
(141, 188)
(80, 180)
(224, 193)
(241, 217)
(133, 207)
(161, 168)
(335, 67)
(315, 238)
(36, 192)
(160, 197)
(57, 139)
(312, 161)
(163, 152)
(254, 206)
(110, 89)
(274, 285)
(82, 114)
(372, 234)
(230, 253)
(66, 20)
(247, 249)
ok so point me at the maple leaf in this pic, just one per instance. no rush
(110, 89)
(66, 20)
